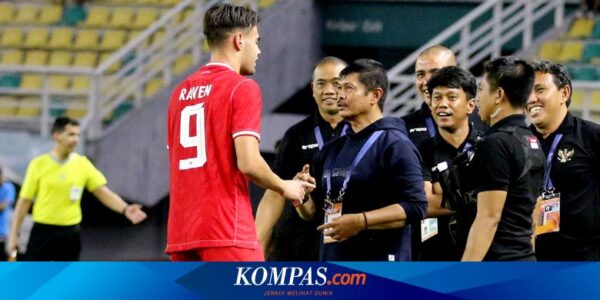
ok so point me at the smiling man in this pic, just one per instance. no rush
(452, 91)
(573, 146)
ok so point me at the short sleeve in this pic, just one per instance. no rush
(246, 103)
(95, 178)
(31, 183)
(492, 165)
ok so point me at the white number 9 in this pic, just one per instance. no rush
(198, 141)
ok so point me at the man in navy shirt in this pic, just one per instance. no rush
(369, 182)
(282, 233)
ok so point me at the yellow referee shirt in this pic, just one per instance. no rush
(56, 187)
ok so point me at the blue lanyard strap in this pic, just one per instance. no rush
(430, 127)
(374, 136)
(319, 136)
(547, 181)
(468, 146)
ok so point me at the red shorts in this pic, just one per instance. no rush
(219, 254)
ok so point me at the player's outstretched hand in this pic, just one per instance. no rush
(295, 189)
(135, 214)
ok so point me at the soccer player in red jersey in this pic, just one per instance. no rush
(213, 134)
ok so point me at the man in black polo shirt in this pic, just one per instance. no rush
(452, 93)
(294, 238)
(508, 166)
(573, 166)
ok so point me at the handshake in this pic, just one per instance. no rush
(298, 189)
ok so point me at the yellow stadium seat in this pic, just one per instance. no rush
(12, 37)
(581, 28)
(169, 2)
(76, 113)
(36, 38)
(571, 51)
(122, 18)
(113, 39)
(87, 39)
(61, 38)
(59, 83)
(85, 59)
(8, 106)
(182, 63)
(596, 99)
(550, 50)
(60, 58)
(27, 13)
(158, 37)
(7, 12)
(11, 57)
(145, 17)
(29, 107)
(51, 14)
(36, 58)
(153, 86)
(32, 81)
(266, 3)
(143, 2)
(114, 67)
(97, 17)
(576, 99)
(80, 83)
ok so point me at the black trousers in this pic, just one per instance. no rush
(57, 243)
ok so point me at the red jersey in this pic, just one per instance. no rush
(209, 199)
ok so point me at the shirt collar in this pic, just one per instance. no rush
(220, 65)
(512, 120)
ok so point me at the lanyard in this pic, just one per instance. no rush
(329, 169)
(468, 146)
(547, 181)
(319, 136)
(430, 127)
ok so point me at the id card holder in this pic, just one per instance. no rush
(429, 228)
(332, 212)
(75, 193)
(548, 213)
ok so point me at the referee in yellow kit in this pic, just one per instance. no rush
(53, 184)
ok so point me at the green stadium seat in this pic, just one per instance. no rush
(591, 52)
(73, 15)
(584, 73)
(10, 80)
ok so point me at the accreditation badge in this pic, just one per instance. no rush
(547, 213)
(429, 228)
(332, 212)
(75, 193)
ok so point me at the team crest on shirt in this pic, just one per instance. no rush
(565, 155)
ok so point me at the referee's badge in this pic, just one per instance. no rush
(565, 155)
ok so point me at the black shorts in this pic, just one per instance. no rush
(57, 243)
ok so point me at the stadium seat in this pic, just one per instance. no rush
(8, 106)
(85, 59)
(12, 37)
(591, 53)
(122, 18)
(182, 63)
(576, 99)
(36, 38)
(61, 38)
(158, 37)
(97, 17)
(265, 3)
(12, 57)
(51, 15)
(87, 39)
(596, 99)
(152, 86)
(29, 107)
(571, 51)
(114, 67)
(60, 58)
(74, 14)
(32, 81)
(27, 14)
(58, 83)
(10, 80)
(581, 28)
(7, 12)
(584, 73)
(80, 83)
(36, 58)
(76, 113)
(113, 39)
(145, 17)
(550, 50)
(169, 2)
